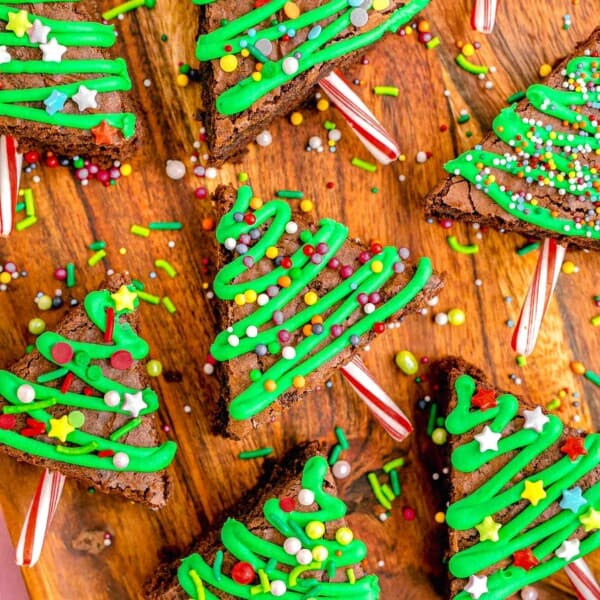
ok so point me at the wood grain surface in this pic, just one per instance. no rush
(207, 473)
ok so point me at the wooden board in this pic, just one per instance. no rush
(208, 475)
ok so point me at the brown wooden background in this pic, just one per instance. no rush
(208, 476)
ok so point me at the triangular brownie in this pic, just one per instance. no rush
(80, 402)
(298, 301)
(524, 489)
(537, 172)
(260, 60)
(290, 539)
(62, 90)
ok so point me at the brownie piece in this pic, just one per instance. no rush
(489, 488)
(261, 370)
(29, 120)
(284, 484)
(229, 134)
(526, 196)
(83, 411)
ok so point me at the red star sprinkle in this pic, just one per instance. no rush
(573, 447)
(104, 134)
(484, 399)
(525, 559)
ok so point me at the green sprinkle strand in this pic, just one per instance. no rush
(523, 250)
(335, 454)
(168, 304)
(23, 408)
(258, 453)
(364, 165)
(139, 230)
(97, 245)
(290, 194)
(341, 437)
(392, 465)
(593, 377)
(461, 248)
(150, 298)
(77, 450)
(385, 90)
(70, 268)
(217, 565)
(395, 481)
(125, 429)
(96, 258)
(515, 97)
(52, 375)
(377, 491)
(165, 226)
(160, 263)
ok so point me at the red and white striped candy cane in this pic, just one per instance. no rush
(583, 580)
(363, 122)
(39, 516)
(538, 297)
(11, 162)
(12, 585)
(384, 409)
(483, 15)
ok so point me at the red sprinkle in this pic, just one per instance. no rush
(61, 353)
(110, 324)
(408, 513)
(7, 422)
(287, 504)
(66, 384)
(121, 360)
(243, 573)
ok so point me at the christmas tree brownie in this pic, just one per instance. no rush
(524, 489)
(62, 90)
(290, 540)
(536, 173)
(297, 301)
(80, 403)
(259, 61)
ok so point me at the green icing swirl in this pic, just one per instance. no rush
(499, 493)
(547, 154)
(267, 555)
(85, 367)
(242, 33)
(335, 306)
(72, 34)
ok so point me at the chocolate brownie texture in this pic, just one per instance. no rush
(228, 135)
(443, 374)
(151, 489)
(68, 141)
(283, 480)
(233, 375)
(458, 199)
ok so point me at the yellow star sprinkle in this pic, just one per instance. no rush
(534, 492)
(18, 23)
(124, 298)
(488, 530)
(590, 520)
(60, 428)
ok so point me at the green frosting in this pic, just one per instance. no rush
(274, 562)
(245, 34)
(83, 448)
(257, 330)
(547, 154)
(112, 74)
(504, 489)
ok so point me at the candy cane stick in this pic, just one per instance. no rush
(384, 409)
(39, 516)
(538, 297)
(583, 580)
(11, 162)
(360, 118)
(483, 15)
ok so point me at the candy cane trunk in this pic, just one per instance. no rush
(384, 409)
(11, 162)
(583, 580)
(538, 297)
(39, 517)
(483, 15)
(361, 119)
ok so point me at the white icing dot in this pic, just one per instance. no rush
(252, 331)
(121, 460)
(290, 65)
(175, 169)
(112, 398)
(230, 244)
(304, 557)
(278, 587)
(288, 353)
(209, 369)
(264, 139)
(341, 469)
(441, 319)
(262, 299)
(25, 393)
(306, 497)
(291, 227)
(233, 340)
(210, 173)
(292, 546)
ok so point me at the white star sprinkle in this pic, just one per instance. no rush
(134, 404)
(535, 419)
(85, 98)
(568, 549)
(488, 440)
(4, 55)
(52, 51)
(477, 586)
(38, 34)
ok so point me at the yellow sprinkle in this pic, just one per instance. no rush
(182, 80)
(125, 170)
(256, 203)
(323, 104)
(439, 517)
(272, 252)
(545, 70)
(311, 298)
(250, 296)
(296, 118)
(240, 299)
(5, 277)
(376, 266)
(229, 63)
(298, 382)
(569, 267)
(291, 10)
(306, 205)
(256, 76)
(468, 50)
(270, 385)
(245, 53)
